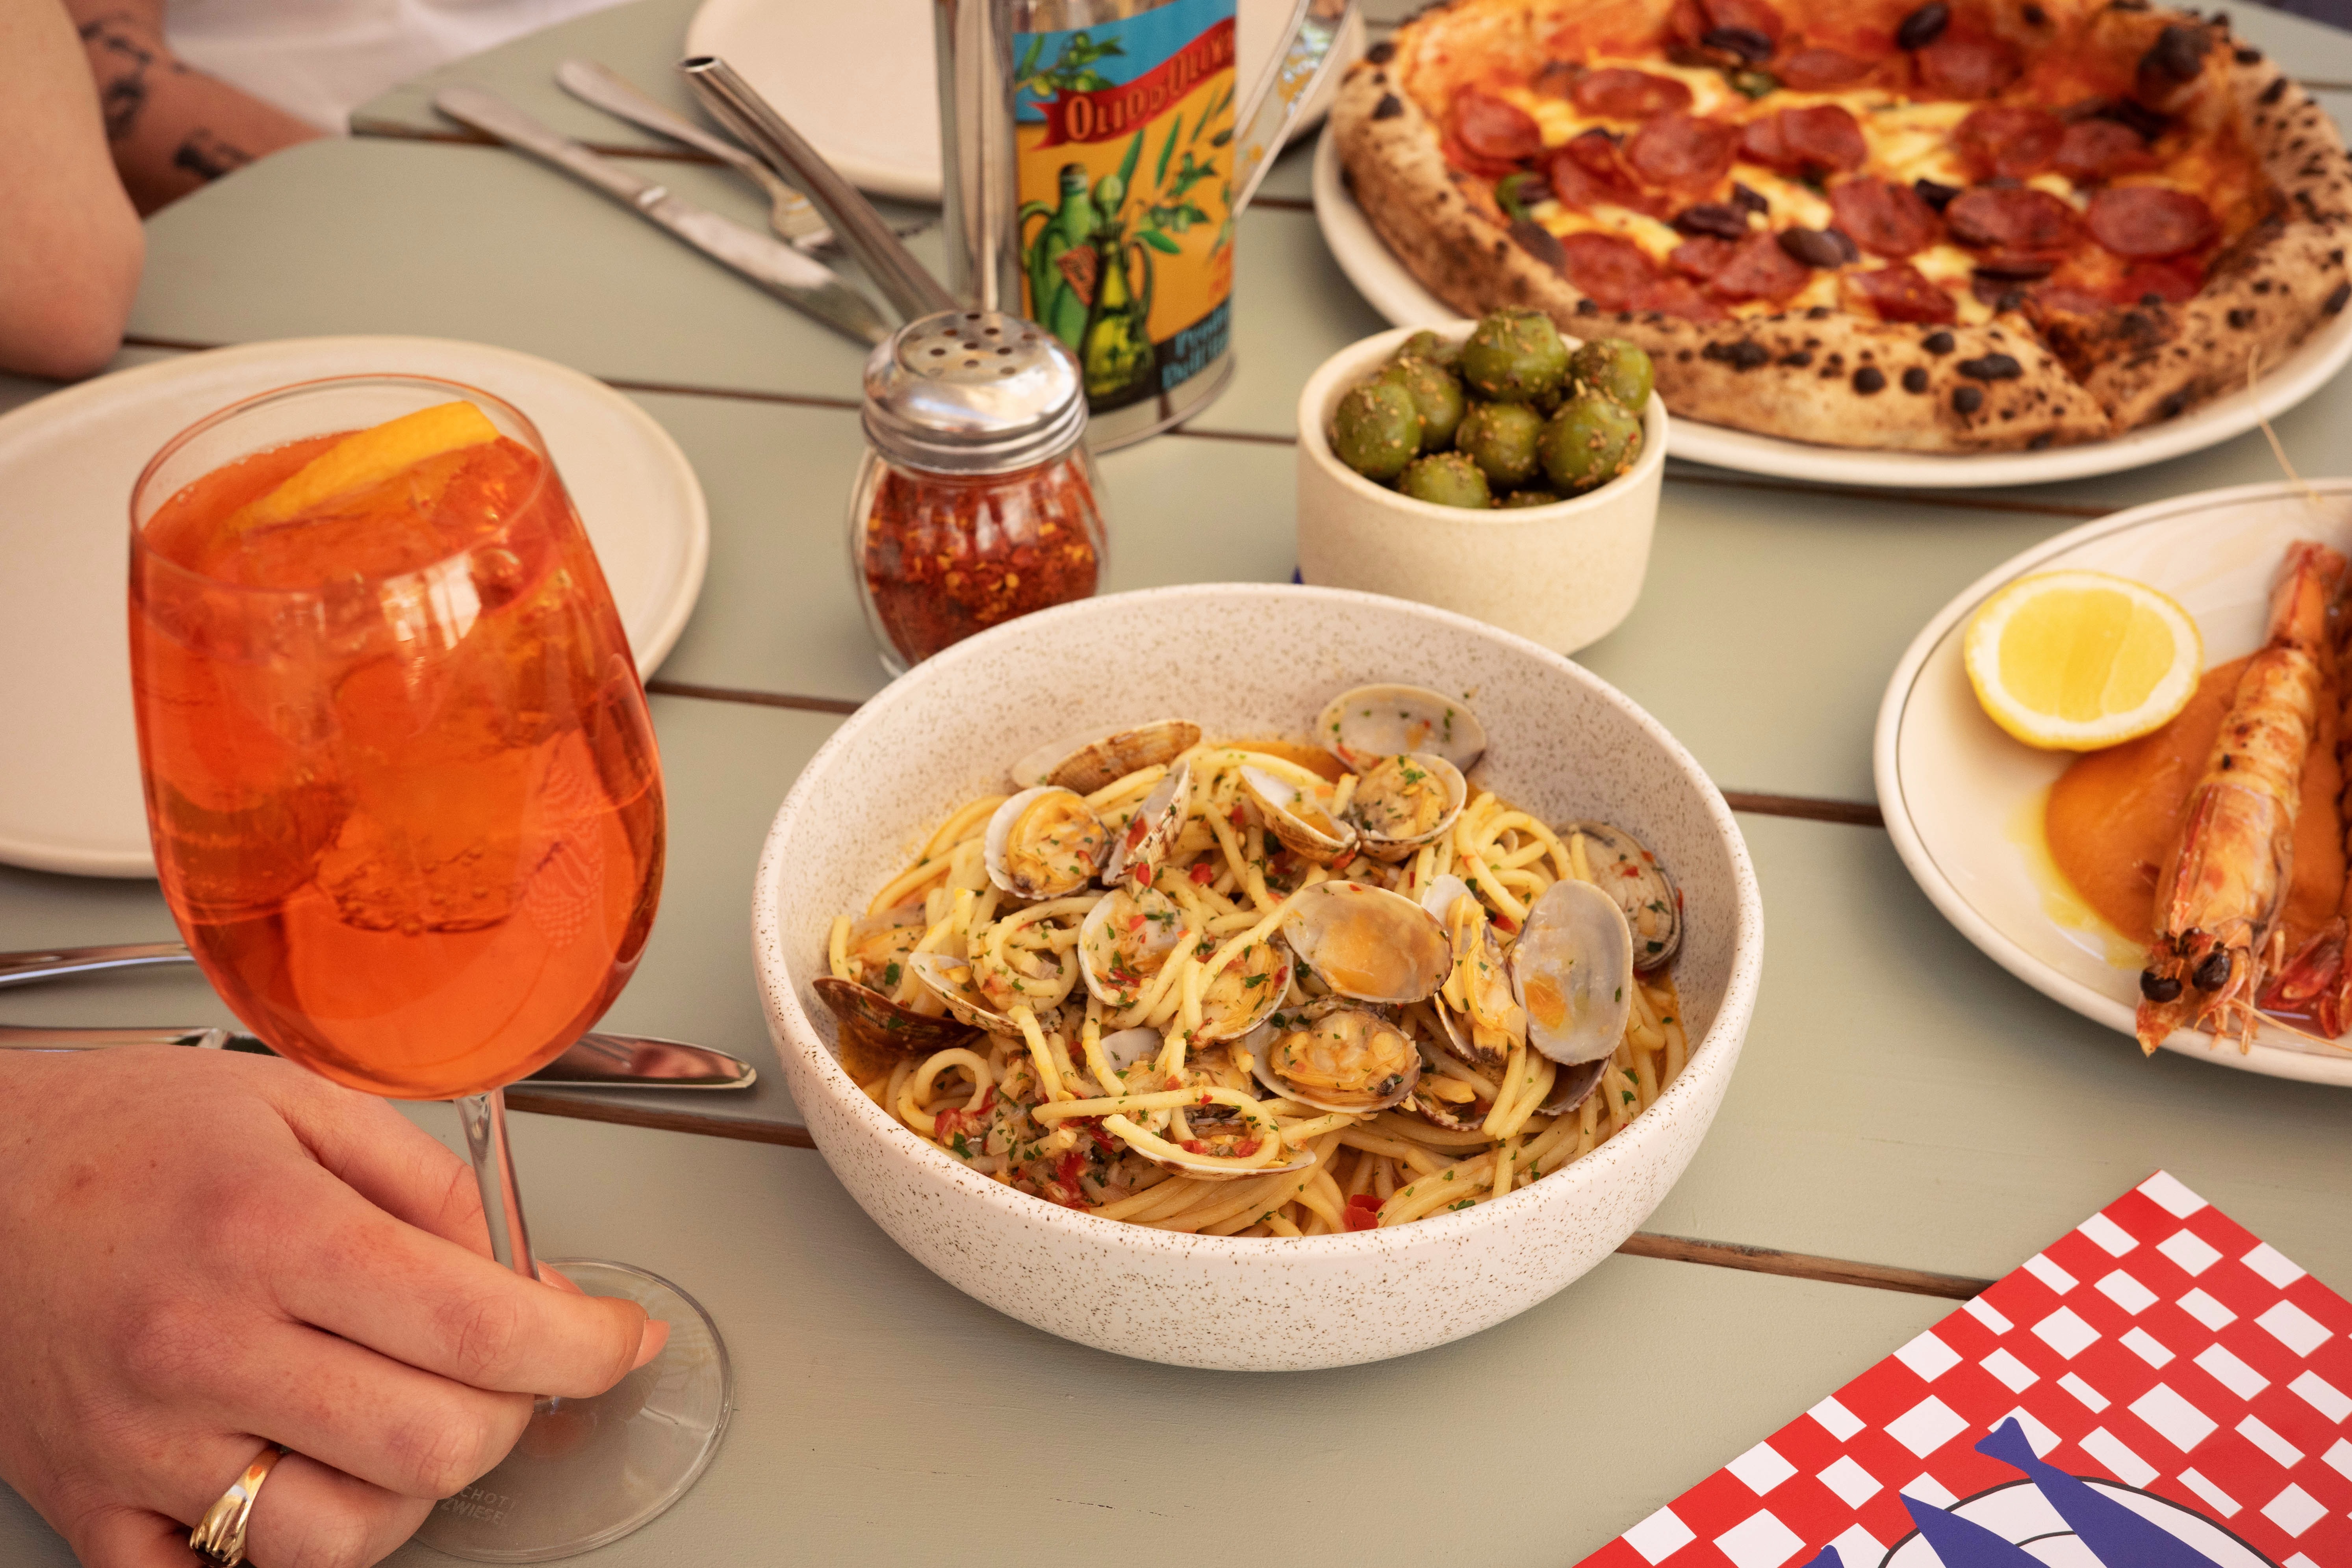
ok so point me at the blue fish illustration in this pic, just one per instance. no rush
(1963, 1543)
(2114, 1535)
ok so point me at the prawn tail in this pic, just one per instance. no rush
(2313, 982)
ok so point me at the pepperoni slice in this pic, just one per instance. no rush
(2010, 141)
(1752, 15)
(1679, 297)
(1901, 293)
(1609, 267)
(1885, 218)
(1683, 151)
(2147, 223)
(1824, 139)
(1968, 67)
(1702, 256)
(2016, 218)
(1617, 93)
(2057, 297)
(1590, 172)
(1494, 129)
(2094, 152)
(1760, 270)
(1818, 70)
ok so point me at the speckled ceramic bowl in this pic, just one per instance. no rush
(1564, 575)
(1244, 659)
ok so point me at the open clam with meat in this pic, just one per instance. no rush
(1270, 986)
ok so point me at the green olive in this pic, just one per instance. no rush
(1615, 369)
(1377, 429)
(1500, 437)
(1514, 356)
(1428, 345)
(1447, 479)
(1588, 442)
(1530, 496)
(1434, 392)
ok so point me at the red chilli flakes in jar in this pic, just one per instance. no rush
(946, 556)
(976, 501)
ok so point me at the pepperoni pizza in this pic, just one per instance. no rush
(1952, 227)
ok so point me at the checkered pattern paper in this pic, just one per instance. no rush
(2158, 1352)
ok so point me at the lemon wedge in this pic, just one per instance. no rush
(370, 456)
(2076, 661)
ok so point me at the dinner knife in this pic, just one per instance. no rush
(593, 1061)
(807, 285)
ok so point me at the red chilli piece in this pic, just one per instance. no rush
(1902, 293)
(1617, 93)
(1494, 129)
(2010, 141)
(1969, 68)
(1363, 1212)
(1885, 218)
(2094, 152)
(1609, 267)
(1819, 69)
(2018, 219)
(2148, 223)
(1204, 873)
(1821, 139)
(1760, 270)
(1684, 152)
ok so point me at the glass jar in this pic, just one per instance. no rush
(976, 500)
(941, 556)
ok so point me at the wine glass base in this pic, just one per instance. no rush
(588, 1471)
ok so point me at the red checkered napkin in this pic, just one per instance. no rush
(2159, 1353)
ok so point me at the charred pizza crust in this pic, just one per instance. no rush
(1837, 379)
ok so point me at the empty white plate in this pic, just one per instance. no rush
(1391, 289)
(857, 80)
(1962, 799)
(70, 798)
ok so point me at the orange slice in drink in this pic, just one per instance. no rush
(368, 458)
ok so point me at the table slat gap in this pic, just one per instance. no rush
(756, 699)
(1812, 808)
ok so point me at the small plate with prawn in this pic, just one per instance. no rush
(2187, 888)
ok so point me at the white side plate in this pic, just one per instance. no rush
(857, 80)
(1392, 290)
(1962, 799)
(70, 798)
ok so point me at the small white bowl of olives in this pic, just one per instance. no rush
(1494, 468)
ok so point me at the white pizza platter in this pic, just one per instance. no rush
(69, 800)
(1963, 800)
(1396, 293)
(857, 80)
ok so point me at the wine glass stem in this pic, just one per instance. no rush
(485, 1117)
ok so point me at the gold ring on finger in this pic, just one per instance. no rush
(219, 1537)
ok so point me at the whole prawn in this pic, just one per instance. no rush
(2315, 981)
(2225, 883)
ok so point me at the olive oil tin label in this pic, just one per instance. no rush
(1125, 132)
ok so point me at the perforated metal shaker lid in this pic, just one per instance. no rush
(973, 391)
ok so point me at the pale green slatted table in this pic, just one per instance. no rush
(1903, 1105)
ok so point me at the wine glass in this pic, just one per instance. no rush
(407, 812)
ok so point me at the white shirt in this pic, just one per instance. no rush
(318, 59)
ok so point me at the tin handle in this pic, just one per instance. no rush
(1275, 103)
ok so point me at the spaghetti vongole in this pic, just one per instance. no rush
(1262, 988)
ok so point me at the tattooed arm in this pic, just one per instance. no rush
(173, 127)
(69, 244)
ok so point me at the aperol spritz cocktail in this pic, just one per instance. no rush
(407, 811)
(403, 795)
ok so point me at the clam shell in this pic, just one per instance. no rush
(1629, 873)
(1088, 763)
(1230, 1015)
(1280, 801)
(874, 1020)
(1365, 723)
(1264, 1051)
(1573, 1086)
(1367, 942)
(1099, 940)
(951, 980)
(1573, 970)
(1125, 1048)
(1135, 855)
(1059, 877)
(1392, 849)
